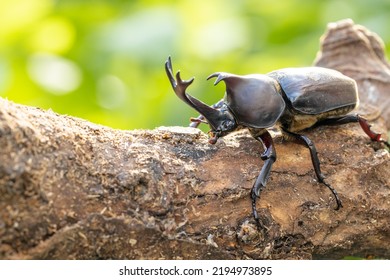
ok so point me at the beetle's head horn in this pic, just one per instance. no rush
(220, 120)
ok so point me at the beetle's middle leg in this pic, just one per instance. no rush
(200, 119)
(304, 140)
(269, 157)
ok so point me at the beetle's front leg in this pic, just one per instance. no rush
(304, 140)
(200, 119)
(269, 157)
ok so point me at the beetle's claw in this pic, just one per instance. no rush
(213, 137)
(339, 205)
(334, 192)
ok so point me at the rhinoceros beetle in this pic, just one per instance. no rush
(292, 98)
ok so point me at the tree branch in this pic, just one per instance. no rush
(70, 189)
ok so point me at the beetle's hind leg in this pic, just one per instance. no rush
(377, 137)
(304, 140)
(200, 119)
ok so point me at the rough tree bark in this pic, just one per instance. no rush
(70, 189)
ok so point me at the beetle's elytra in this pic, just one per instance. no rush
(292, 98)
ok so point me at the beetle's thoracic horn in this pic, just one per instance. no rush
(213, 116)
(253, 99)
(220, 76)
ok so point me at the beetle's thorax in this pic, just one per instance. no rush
(254, 100)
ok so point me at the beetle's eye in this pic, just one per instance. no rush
(227, 125)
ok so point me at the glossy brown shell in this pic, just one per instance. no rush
(316, 90)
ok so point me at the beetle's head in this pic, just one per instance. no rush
(220, 120)
(221, 124)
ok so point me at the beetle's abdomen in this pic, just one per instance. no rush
(316, 90)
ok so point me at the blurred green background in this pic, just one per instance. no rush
(104, 60)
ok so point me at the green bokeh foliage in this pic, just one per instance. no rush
(104, 60)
